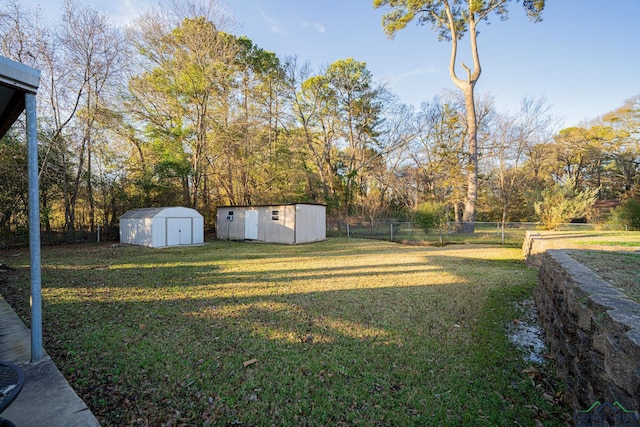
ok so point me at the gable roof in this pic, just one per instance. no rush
(169, 211)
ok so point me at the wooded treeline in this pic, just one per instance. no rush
(176, 109)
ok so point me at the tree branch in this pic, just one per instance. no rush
(454, 47)
(463, 65)
(486, 13)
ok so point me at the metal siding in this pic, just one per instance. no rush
(179, 231)
(311, 223)
(231, 230)
(137, 232)
(198, 231)
(288, 228)
(146, 231)
(157, 234)
(297, 223)
(282, 230)
(222, 231)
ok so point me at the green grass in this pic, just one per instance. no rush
(607, 238)
(612, 243)
(341, 332)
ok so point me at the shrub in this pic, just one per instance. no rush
(562, 202)
(628, 215)
(431, 215)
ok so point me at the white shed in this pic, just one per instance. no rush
(160, 227)
(289, 223)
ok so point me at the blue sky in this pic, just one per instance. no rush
(584, 57)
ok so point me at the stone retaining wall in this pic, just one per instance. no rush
(593, 332)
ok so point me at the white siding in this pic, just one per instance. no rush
(278, 228)
(159, 233)
(311, 223)
(179, 231)
(230, 229)
(198, 229)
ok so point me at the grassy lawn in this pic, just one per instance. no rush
(342, 332)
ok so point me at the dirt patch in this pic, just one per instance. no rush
(621, 270)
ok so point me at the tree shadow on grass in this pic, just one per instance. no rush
(385, 354)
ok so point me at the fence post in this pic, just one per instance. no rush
(391, 225)
(348, 235)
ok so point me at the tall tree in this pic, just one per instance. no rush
(78, 58)
(96, 47)
(451, 19)
(358, 106)
(579, 154)
(624, 147)
(314, 110)
(93, 48)
(395, 133)
(437, 151)
(181, 98)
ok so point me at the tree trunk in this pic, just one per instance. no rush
(91, 201)
(469, 216)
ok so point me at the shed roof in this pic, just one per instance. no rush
(16, 79)
(160, 212)
(141, 213)
(270, 204)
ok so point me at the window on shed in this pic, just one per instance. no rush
(275, 215)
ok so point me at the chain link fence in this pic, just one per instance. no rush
(511, 233)
(52, 238)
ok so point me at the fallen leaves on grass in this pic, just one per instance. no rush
(249, 362)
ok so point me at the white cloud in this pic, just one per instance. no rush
(318, 27)
(274, 25)
(413, 73)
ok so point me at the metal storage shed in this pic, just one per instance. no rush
(289, 223)
(160, 227)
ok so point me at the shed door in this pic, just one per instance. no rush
(178, 231)
(251, 225)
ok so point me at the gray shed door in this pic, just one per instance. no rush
(178, 231)
(251, 225)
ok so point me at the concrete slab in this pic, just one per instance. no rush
(46, 399)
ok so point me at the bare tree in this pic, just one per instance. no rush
(511, 138)
(95, 47)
